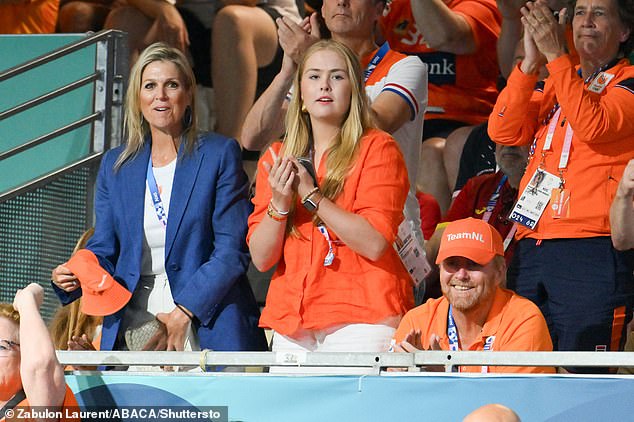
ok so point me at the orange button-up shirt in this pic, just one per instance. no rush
(306, 294)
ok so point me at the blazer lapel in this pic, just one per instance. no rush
(187, 168)
(132, 177)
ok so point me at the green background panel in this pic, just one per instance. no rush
(46, 117)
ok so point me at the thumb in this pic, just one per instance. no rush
(562, 16)
(314, 26)
(162, 317)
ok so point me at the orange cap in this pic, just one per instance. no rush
(471, 238)
(101, 294)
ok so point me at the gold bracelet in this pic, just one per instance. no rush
(309, 194)
(274, 215)
(276, 210)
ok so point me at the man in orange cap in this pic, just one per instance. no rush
(475, 312)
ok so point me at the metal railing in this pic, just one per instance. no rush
(109, 78)
(366, 363)
(61, 109)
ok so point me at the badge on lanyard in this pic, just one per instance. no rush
(155, 195)
(560, 203)
(330, 256)
(600, 82)
(533, 200)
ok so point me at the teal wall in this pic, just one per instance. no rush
(48, 116)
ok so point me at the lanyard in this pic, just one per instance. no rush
(154, 194)
(565, 151)
(564, 157)
(452, 335)
(14, 401)
(330, 256)
(378, 56)
(551, 129)
(491, 206)
(493, 200)
(452, 332)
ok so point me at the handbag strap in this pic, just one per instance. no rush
(17, 398)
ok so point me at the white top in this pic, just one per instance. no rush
(153, 257)
(407, 78)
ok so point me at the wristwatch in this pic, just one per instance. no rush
(311, 203)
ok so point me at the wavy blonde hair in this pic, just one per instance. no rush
(343, 148)
(136, 127)
(69, 320)
(8, 311)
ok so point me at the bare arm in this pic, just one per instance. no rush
(265, 121)
(443, 29)
(390, 111)
(168, 24)
(510, 34)
(622, 211)
(42, 375)
(352, 229)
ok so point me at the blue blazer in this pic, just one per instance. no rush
(206, 256)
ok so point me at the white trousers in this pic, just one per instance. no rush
(342, 338)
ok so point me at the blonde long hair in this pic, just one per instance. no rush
(343, 148)
(136, 127)
(69, 321)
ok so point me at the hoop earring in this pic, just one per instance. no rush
(304, 109)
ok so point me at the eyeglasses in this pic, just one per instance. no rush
(7, 345)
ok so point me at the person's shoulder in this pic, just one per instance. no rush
(400, 61)
(483, 179)
(376, 138)
(113, 153)
(624, 72)
(110, 156)
(212, 140)
(215, 146)
(430, 308)
(519, 305)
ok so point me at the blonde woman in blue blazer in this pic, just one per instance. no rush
(171, 219)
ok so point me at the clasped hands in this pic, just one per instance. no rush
(544, 33)
(286, 177)
(412, 344)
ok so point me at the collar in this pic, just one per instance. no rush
(365, 60)
(602, 68)
(491, 325)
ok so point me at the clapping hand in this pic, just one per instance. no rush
(282, 177)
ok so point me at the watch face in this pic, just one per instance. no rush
(309, 205)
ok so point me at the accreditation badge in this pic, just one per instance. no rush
(560, 203)
(600, 82)
(534, 198)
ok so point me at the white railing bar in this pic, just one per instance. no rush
(428, 358)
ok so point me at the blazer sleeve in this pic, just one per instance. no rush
(229, 258)
(103, 243)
